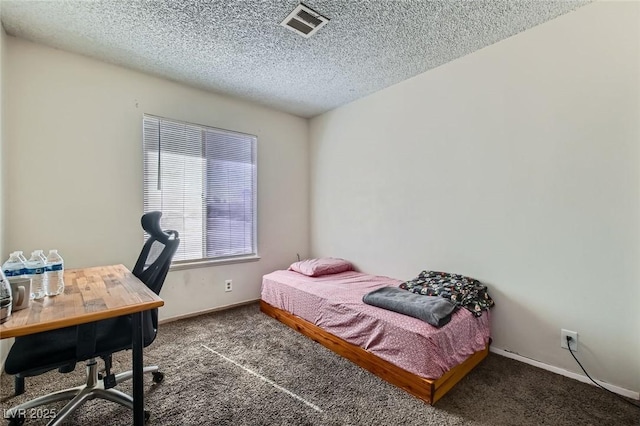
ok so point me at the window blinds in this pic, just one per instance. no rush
(203, 180)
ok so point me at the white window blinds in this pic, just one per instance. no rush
(203, 180)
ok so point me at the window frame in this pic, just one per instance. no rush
(216, 260)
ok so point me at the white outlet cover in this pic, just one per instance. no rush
(563, 339)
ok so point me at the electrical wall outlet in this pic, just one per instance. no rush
(228, 285)
(574, 339)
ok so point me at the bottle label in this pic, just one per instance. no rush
(56, 267)
(13, 272)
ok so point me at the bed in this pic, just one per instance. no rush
(407, 352)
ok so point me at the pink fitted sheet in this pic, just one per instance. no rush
(334, 303)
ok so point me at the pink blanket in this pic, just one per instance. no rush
(334, 303)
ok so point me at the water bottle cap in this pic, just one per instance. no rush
(53, 251)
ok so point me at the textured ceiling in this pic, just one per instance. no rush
(238, 47)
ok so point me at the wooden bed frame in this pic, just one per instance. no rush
(427, 390)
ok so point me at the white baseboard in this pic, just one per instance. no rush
(620, 391)
(206, 311)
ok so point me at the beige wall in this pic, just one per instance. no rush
(74, 169)
(4, 344)
(3, 62)
(518, 165)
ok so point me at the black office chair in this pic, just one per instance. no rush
(38, 353)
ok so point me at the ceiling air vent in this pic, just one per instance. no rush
(304, 21)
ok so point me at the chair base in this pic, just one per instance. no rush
(18, 384)
(78, 395)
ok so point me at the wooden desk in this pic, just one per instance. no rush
(92, 294)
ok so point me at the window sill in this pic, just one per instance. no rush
(216, 262)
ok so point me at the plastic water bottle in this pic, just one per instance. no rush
(14, 266)
(20, 256)
(45, 278)
(5, 298)
(36, 268)
(55, 273)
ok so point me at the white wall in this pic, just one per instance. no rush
(74, 169)
(517, 165)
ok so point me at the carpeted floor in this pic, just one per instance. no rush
(240, 367)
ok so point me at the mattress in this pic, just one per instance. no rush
(334, 303)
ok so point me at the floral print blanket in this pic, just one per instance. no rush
(466, 292)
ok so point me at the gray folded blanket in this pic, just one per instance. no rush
(434, 310)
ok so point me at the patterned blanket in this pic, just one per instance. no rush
(466, 292)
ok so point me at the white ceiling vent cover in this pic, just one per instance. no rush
(304, 21)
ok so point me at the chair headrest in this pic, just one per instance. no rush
(151, 224)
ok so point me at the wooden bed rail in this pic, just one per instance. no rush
(427, 390)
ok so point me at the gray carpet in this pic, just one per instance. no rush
(205, 388)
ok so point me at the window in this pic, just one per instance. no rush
(203, 180)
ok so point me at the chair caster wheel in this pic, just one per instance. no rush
(158, 377)
(16, 420)
(147, 415)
